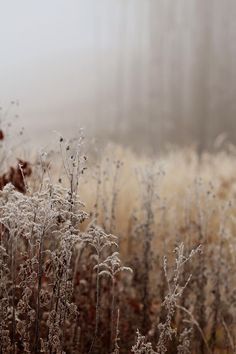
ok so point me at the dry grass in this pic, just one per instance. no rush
(63, 286)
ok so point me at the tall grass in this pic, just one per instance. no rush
(119, 253)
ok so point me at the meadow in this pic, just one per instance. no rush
(117, 252)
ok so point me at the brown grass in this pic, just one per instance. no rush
(153, 205)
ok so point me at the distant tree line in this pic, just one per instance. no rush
(169, 72)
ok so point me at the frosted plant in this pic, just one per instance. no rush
(117, 339)
(74, 163)
(40, 231)
(149, 178)
(98, 240)
(175, 291)
(142, 346)
(28, 315)
(5, 340)
(184, 346)
(16, 216)
(67, 234)
(111, 267)
(194, 322)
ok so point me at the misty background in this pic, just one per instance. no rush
(143, 72)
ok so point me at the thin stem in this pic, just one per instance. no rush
(13, 272)
(97, 305)
(112, 313)
(194, 321)
(39, 275)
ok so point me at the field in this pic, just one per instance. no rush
(114, 252)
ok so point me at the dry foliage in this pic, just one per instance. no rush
(63, 285)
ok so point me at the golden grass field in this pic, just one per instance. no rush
(180, 302)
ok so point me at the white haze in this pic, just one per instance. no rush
(150, 68)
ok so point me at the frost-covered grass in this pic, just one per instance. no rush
(119, 253)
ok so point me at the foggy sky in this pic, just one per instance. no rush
(47, 60)
(150, 69)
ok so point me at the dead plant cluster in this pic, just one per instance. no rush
(102, 277)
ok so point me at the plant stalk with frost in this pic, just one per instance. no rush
(111, 267)
(175, 291)
(98, 240)
(142, 346)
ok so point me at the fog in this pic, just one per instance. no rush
(143, 72)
